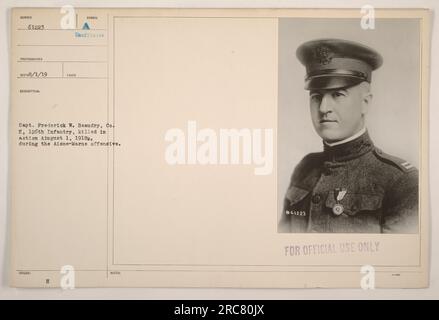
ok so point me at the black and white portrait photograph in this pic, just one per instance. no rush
(220, 148)
(348, 126)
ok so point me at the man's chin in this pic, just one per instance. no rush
(330, 136)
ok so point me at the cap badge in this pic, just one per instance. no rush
(323, 54)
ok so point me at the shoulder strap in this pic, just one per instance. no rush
(403, 165)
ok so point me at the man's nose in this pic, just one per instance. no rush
(326, 103)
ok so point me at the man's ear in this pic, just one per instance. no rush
(366, 102)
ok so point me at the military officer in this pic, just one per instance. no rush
(352, 186)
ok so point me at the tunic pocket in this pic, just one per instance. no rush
(355, 203)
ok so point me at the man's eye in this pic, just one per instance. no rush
(316, 97)
(338, 94)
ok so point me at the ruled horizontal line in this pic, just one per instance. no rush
(25, 29)
(53, 61)
(61, 45)
(256, 265)
(256, 271)
(61, 78)
(204, 17)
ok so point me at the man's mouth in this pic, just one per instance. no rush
(327, 120)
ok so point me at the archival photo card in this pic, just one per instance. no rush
(246, 148)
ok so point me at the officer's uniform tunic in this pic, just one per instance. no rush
(352, 187)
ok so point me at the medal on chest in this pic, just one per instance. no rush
(339, 194)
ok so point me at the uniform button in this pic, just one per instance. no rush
(316, 198)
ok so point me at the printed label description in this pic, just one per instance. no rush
(65, 134)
